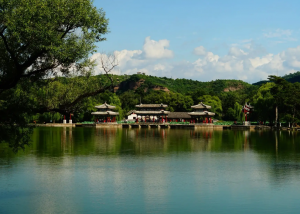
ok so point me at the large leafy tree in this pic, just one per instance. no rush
(264, 103)
(40, 39)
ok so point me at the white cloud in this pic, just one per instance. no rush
(200, 51)
(157, 49)
(250, 64)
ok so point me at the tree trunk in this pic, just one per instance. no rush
(293, 116)
(276, 116)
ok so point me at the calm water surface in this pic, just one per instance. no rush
(89, 170)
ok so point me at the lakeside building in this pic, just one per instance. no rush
(150, 112)
(157, 112)
(179, 117)
(105, 113)
(201, 113)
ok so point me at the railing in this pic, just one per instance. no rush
(180, 123)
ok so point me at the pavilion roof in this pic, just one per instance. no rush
(105, 113)
(131, 112)
(201, 106)
(105, 106)
(203, 113)
(158, 112)
(179, 115)
(151, 112)
(151, 106)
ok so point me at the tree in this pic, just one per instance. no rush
(214, 102)
(264, 103)
(41, 39)
(237, 112)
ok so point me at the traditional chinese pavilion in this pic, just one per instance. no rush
(105, 113)
(150, 112)
(201, 113)
(179, 117)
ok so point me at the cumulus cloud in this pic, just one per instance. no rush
(157, 49)
(200, 51)
(250, 64)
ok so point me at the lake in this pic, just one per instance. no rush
(93, 170)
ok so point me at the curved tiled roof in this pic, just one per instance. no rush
(151, 112)
(105, 106)
(179, 115)
(203, 113)
(152, 106)
(105, 113)
(201, 106)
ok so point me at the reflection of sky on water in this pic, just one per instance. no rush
(76, 170)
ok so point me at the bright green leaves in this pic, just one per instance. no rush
(37, 35)
(214, 102)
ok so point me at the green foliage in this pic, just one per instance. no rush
(185, 86)
(175, 101)
(61, 33)
(292, 78)
(264, 103)
(214, 102)
(237, 113)
(38, 39)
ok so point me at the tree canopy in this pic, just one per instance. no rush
(41, 38)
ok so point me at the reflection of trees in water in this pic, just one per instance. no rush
(279, 152)
(56, 142)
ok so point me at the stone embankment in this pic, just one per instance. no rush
(169, 126)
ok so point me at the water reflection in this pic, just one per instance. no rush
(58, 142)
(120, 170)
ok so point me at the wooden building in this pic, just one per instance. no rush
(105, 113)
(151, 112)
(179, 117)
(201, 113)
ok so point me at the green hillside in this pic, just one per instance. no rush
(183, 86)
(292, 78)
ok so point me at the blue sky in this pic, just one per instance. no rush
(203, 40)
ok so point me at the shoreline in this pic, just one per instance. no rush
(168, 126)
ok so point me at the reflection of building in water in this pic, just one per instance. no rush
(246, 139)
(107, 140)
(66, 142)
(105, 113)
(201, 140)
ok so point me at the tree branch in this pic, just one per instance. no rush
(39, 71)
(7, 47)
(89, 94)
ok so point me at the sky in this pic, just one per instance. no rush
(202, 40)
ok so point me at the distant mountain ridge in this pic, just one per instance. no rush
(295, 77)
(183, 86)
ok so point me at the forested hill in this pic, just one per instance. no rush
(183, 86)
(292, 78)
